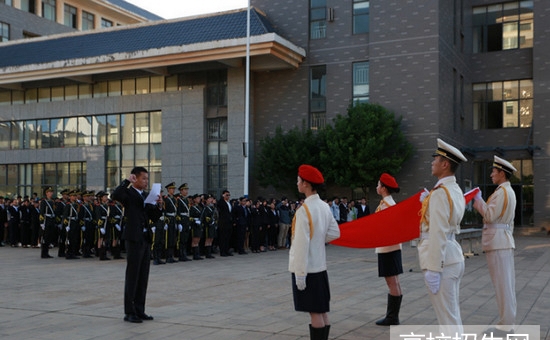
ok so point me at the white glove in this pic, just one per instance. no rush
(43, 226)
(423, 195)
(154, 229)
(83, 228)
(166, 227)
(301, 282)
(67, 229)
(478, 195)
(197, 221)
(180, 227)
(117, 226)
(433, 280)
(102, 230)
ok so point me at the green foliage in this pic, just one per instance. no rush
(353, 152)
(362, 145)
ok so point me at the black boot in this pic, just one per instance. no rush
(327, 330)
(392, 313)
(183, 255)
(103, 254)
(157, 259)
(209, 253)
(316, 333)
(170, 257)
(116, 253)
(196, 254)
(44, 251)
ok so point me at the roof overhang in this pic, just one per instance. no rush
(267, 52)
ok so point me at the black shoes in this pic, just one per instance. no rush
(132, 318)
(145, 317)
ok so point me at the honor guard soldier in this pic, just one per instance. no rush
(159, 229)
(61, 233)
(102, 213)
(87, 221)
(196, 226)
(47, 222)
(72, 226)
(440, 255)
(116, 215)
(497, 242)
(209, 223)
(182, 219)
(170, 228)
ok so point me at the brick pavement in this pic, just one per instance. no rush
(244, 297)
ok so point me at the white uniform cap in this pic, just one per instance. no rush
(503, 165)
(450, 152)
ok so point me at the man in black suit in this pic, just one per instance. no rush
(138, 241)
(243, 217)
(225, 223)
(363, 208)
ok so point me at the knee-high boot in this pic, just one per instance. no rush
(45, 251)
(196, 254)
(327, 330)
(209, 253)
(316, 333)
(392, 313)
(183, 254)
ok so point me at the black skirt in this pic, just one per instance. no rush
(390, 264)
(316, 297)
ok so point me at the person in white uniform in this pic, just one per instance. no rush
(312, 227)
(440, 255)
(497, 240)
(390, 264)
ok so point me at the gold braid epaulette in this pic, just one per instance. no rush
(505, 205)
(422, 212)
(309, 220)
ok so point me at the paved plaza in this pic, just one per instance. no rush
(245, 297)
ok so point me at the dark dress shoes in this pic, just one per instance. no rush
(132, 318)
(145, 317)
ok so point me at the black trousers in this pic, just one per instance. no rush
(137, 276)
(224, 237)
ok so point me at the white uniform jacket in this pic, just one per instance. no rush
(440, 222)
(385, 203)
(498, 218)
(307, 252)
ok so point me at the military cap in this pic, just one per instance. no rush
(503, 165)
(448, 151)
(101, 193)
(73, 192)
(171, 185)
(46, 189)
(183, 186)
(64, 192)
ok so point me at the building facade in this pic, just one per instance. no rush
(471, 72)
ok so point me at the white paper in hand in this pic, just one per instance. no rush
(153, 194)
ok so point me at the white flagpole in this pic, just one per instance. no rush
(247, 105)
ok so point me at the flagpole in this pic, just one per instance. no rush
(247, 105)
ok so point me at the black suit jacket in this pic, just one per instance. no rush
(361, 212)
(225, 217)
(136, 212)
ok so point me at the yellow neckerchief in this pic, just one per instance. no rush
(505, 205)
(309, 220)
(422, 212)
(382, 203)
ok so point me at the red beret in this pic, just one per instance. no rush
(388, 181)
(310, 174)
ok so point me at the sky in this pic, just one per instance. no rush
(170, 9)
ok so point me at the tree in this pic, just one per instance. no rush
(362, 145)
(280, 156)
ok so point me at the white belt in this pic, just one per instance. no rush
(49, 215)
(170, 214)
(184, 214)
(496, 226)
(425, 235)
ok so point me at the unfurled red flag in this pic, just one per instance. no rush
(397, 224)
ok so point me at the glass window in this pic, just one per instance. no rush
(5, 97)
(4, 32)
(84, 131)
(142, 154)
(317, 94)
(43, 133)
(106, 23)
(7, 2)
(30, 134)
(216, 88)
(360, 16)
(505, 104)
(17, 97)
(155, 157)
(127, 128)
(128, 156)
(99, 136)
(115, 88)
(58, 93)
(17, 135)
(48, 10)
(56, 133)
(85, 91)
(31, 96)
(100, 89)
(156, 127)
(44, 94)
(361, 82)
(38, 176)
(5, 135)
(142, 128)
(87, 21)
(217, 155)
(172, 83)
(142, 85)
(28, 6)
(157, 84)
(50, 174)
(503, 26)
(69, 16)
(70, 132)
(113, 130)
(128, 87)
(318, 19)
(71, 92)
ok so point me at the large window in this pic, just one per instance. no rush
(106, 23)
(503, 104)
(28, 6)
(48, 9)
(360, 16)
(4, 32)
(7, 2)
(361, 82)
(217, 155)
(503, 26)
(317, 96)
(317, 19)
(69, 16)
(87, 21)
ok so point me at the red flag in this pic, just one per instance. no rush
(397, 224)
